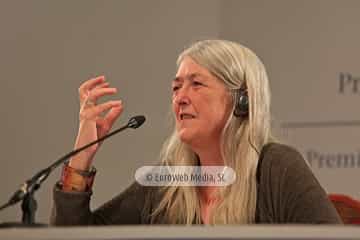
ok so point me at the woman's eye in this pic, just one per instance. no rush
(175, 88)
(197, 83)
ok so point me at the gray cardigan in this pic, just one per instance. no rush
(288, 192)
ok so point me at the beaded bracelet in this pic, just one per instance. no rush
(76, 180)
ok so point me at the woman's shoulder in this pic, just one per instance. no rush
(288, 190)
(281, 155)
(278, 159)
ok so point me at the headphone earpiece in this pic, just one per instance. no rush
(241, 103)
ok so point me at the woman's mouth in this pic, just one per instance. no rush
(184, 116)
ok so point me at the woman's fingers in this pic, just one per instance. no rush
(112, 115)
(90, 84)
(102, 85)
(93, 112)
(90, 91)
(97, 93)
(106, 123)
(107, 106)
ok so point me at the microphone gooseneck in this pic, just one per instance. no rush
(32, 184)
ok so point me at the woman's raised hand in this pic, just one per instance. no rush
(93, 124)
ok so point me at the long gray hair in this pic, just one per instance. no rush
(242, 138)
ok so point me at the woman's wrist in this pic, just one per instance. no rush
(73, 179)
(81, 161)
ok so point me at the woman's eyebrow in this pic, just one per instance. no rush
(189, 76)
(176, 79)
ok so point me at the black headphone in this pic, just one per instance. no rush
(241, 103)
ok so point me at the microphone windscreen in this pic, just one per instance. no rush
(136, 121)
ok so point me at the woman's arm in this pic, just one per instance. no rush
(73, 208)
(290, 192)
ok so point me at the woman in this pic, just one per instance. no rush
(221, 105)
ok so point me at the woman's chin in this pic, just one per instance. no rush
(185, 136)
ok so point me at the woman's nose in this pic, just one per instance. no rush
(182, 96)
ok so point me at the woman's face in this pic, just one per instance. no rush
(201, 104)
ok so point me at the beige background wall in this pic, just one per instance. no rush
(47, 48)
(306, 45)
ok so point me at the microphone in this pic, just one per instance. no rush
(136, 122)
(34, 183)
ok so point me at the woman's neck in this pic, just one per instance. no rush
(210, 155)
(208, 194)
(208, 200)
